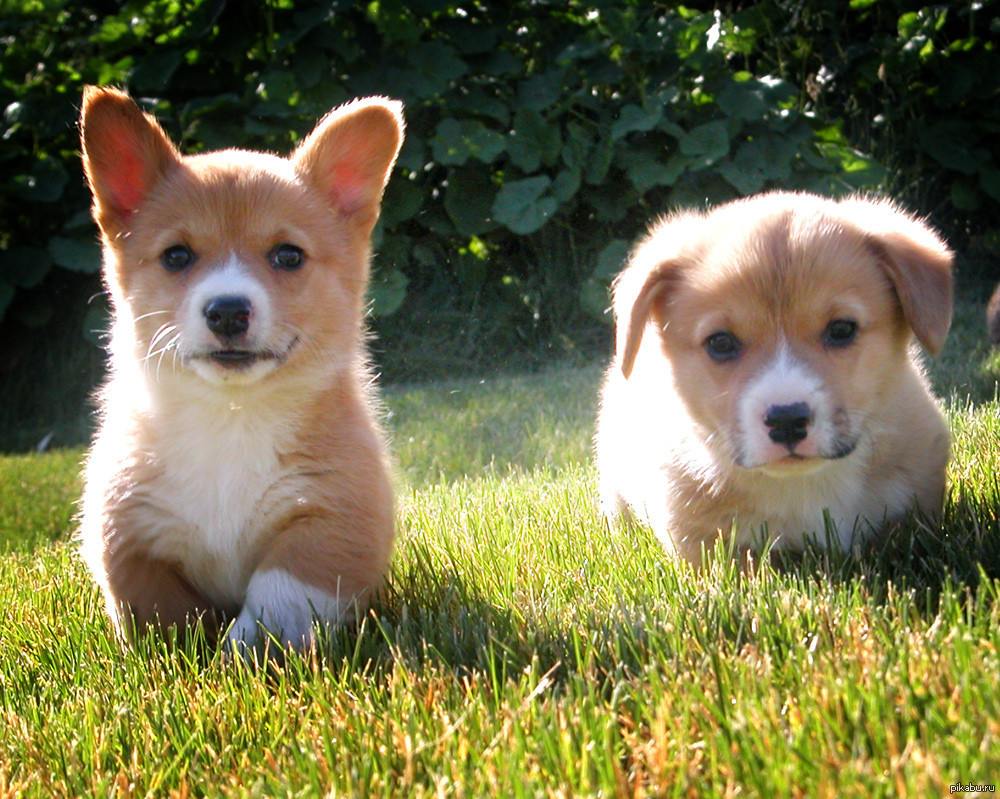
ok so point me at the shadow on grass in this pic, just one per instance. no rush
(435, 620)
(928, 558)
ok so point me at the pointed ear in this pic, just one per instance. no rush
(349, 154)
(125, 153)
(917, 262)
(636, 291)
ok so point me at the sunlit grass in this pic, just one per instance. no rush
(524, 649)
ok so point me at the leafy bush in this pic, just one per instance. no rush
(913, 84)
(521, 117)
(542, 136)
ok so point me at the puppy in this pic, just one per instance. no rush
(764, 382)
(238, 473)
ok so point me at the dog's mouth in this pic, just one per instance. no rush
(792, 465)
(797, 463)
(239, 359)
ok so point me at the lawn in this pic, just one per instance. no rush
(524, 649)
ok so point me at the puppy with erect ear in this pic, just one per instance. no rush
(765, 379)
(239, 474)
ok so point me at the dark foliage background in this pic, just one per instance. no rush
(542, 136)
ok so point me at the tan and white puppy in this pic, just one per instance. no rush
(239, 473)
(765, 378)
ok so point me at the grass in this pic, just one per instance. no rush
(524, 649)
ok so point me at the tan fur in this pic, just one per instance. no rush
(681, 440)
(202, 476)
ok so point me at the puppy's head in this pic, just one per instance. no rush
(232, 264)
(785, 320)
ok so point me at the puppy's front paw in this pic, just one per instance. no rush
(281, 607)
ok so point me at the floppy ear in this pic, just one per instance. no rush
(125, 153)
(349, 154)
(918, 263)
(636, 291)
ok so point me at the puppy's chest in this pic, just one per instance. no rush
(794, 509)
(225, 487)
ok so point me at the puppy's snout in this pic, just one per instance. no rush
(228, 316)
(788, 423)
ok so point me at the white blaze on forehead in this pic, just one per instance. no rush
(785, 380)
(231, 279)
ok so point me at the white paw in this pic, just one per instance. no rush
(280, 606)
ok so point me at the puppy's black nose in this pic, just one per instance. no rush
(788, 423)
(228, 316)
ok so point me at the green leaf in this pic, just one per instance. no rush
(477, 103)
(951, 142)
(276, 85)
(32, 310)
(965, 196)
(611, 259)
(501, 64)
(578, 145)
(471, 38)
(742, 101)
(541, 92)
(153, 71)
(753, 98)
(403, 200)
(77, 255)
(533, 141)
(599, 161)
(636, 118)
(566, 184)
(387, 290)
(706, 144)
(413, 155)
(438, 66)
(44, 184)
(757, 162)
(989, 181)
(521, 205)
(456, 141)
(646, 170)
(25, 267)
(595, 299)
(310, 68)
(611, 201)
(595, 294)
(6, 295)
(908, 25)
(468, 200)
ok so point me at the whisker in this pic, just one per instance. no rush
(156, 350)
(151, 313)
(151, 350)
(171, 346)
(165, 330)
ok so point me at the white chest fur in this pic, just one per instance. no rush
(219, 483)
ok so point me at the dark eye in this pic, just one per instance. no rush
(840, 333)
(286, 257)
(177, 258)
(723, 347)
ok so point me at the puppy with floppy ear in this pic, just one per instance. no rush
(765, 381)
(239, 473)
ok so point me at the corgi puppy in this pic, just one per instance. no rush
(239, 474)
(764, 381)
